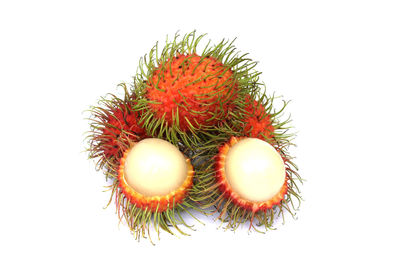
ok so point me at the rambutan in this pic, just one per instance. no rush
(256, 117)
(257, 122)
(153, 182)
(251, 173)
(113, 123)
(151, 177)
(248, 179)
(184, 93)
(193, 90)
(247, 173)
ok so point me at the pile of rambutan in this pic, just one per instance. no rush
(195, 133)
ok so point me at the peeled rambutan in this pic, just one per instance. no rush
(153, 182)
(247, 173)
(155, 175)
(247, 179)
(151, 177)
(251, 173)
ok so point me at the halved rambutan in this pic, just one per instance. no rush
(251, 173)
(154, 179)
(248, 173)
(155, 175)
(246, 179)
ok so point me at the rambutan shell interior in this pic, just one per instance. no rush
(254, 170)
(155, 167)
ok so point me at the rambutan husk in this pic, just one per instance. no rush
(254, 117)
(184, 93)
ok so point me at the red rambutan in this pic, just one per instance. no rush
(182, 92)
(193, 90)
(113, 126)
(257, 122)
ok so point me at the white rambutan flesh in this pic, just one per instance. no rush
(254, 170)
(155, 167)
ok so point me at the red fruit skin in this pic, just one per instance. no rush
(257, 123)
(120, 120)
(201, 89)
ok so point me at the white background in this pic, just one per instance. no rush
(338, 61)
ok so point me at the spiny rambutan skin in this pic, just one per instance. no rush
(119, 120)
(200, 88)
(258, 124)
(115, 125)
(227, 191)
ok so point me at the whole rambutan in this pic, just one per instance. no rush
(183, 92)
(193, 90)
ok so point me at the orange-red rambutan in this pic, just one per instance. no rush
(257, 122)
(184, 93)
(193, 90)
